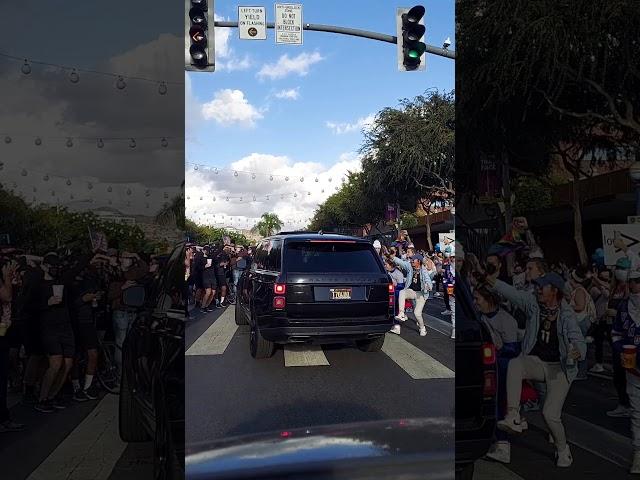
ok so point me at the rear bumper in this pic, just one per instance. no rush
(327, 333)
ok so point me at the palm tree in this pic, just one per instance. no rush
(172, 214)
(268, 225)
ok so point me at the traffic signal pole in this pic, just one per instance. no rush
(442, 52)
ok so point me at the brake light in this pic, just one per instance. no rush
(285, 434)
(490, 387)
(279, 288)
(279, 303)
(331, 241)
(391, 288)
(391, 300)
(488, 354)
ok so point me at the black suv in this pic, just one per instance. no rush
(315, 288)
(152, 384)
(476, 385)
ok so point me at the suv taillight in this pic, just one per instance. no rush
(279, 303)
(490, 386)
(488, 354)
(392, 290)
(392, 295)
(279, 288)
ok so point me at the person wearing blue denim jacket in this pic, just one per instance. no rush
(552, 344)
(626, 331)
(417, 285)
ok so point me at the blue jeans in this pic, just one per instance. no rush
(122, 320)
(236, 274)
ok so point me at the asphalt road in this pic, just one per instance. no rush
(228, 393)
(78, 443)
(601, 446)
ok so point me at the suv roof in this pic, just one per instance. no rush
(316, 236)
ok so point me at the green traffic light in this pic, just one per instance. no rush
(413, 54)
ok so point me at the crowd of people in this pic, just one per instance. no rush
(56, 310)
(544, 319)
(212, 273)
(418, 276)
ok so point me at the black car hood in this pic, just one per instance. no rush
(399, 449)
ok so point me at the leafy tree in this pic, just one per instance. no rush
(204, 234)
(268, 225)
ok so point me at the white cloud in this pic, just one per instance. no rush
(235, 64)
(230, 107)
(289, 94)
(222, 36)
(286, 65)
(346, 127)
(203, 185)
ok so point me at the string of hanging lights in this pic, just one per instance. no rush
(99, 142)
(74, 76)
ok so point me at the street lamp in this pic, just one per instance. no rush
(634, 174)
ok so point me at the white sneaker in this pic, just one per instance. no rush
(564, 458)
(620, 412)
(395, 329)
(500, 452)
(597, 368)
(511, 424)
(453, 333)
(446, 312)
(423, 332)
(635, 464)
(401, 318)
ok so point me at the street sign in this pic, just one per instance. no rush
(289, 23)
(614, 236)
(633, 219)
(252, 23)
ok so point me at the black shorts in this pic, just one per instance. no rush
(86, 336)
(221, 278)
(209, 279)
(59, 340)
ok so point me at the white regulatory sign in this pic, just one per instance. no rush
(252, 23)
(289, 23)
(614, 237)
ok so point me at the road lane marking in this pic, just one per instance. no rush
(485, 470)
(304, 356)
(91, 450)
(412, 360)
(217, 337)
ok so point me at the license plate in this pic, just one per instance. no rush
(340, 293)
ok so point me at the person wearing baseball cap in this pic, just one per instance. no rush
(417, 285)
(625, 337)
(552, 344)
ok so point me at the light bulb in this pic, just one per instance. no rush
(109, 189)
(120, 83)
(45, 178)
(188, 197)
(71, 196)
(74, 77)
(195, 167)
(164, 143)
(308, 193)
(147, 193)
(100, 143)
(162, 88)
(316, 179)
(214, 199)
(166, 195)
(215, 170)
(90, 185)
(227, 199)
(26, 68)
(267, 197)
(35, 189)
(329, 179)
(200, 198)
(68, 182)
(253, 176)
(302, 179)
(295, 195)
(254, 198)
(7, 139)
(235, 174)
(23, 173)
(69, 142)
(132, 143)
(38, 141)
(128, 191)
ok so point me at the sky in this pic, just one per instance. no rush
(44, 103)
(283, 123)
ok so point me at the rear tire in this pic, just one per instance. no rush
(130, 424)
(240, 317)
(374, 345)
(260, 347)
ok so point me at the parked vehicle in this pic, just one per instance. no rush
(476, 385)
(315, 288)
(152, 382)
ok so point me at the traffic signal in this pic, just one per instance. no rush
(199, 55)
(410, 30)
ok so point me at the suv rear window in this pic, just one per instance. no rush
(330, 257)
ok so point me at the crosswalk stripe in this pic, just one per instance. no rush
(217, 337)
(304, 356)
(493, 471)
(91, 450)
(412, 360)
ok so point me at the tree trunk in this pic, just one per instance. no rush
(428, 222)
(577, 218)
